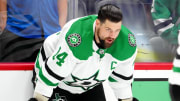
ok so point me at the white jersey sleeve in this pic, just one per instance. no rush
(54, 62)
(122, 77)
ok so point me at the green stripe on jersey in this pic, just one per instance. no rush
(112, 79)
(176, 69)
(37, 62)
(43, 78)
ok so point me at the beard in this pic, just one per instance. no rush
(102, 43)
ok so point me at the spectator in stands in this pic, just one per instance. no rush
(166, 16)
(25, 24)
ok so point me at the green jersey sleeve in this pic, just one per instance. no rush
(165, 16)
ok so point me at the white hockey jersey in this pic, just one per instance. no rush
(71, 60)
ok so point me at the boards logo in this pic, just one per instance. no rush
(74, 40)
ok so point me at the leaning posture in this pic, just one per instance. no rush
(73, 63)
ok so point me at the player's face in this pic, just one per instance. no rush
(107, 32)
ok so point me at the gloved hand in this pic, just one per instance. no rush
(130, 99)
(174, 92)
(135, 99)
(32, 99)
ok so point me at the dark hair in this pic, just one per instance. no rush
(110, 12)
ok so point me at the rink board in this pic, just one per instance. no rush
(150, 84)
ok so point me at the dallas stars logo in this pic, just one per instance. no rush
(74, 40)
(131, 40)
(85, 84)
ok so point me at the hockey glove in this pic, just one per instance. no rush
(32, 99)
(174, 92)
(134, 99)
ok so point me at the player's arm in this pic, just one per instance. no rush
(45, 52)
(121, 79)
(62, 10)
(163, 22)
(46, 49)
(56, 66)
(3, 14)
(54, 69)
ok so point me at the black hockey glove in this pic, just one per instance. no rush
(32, 99)
(134, 99)
(174, 92)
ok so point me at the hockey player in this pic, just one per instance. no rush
(73, 63)
(174, 79)
(166, 16)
